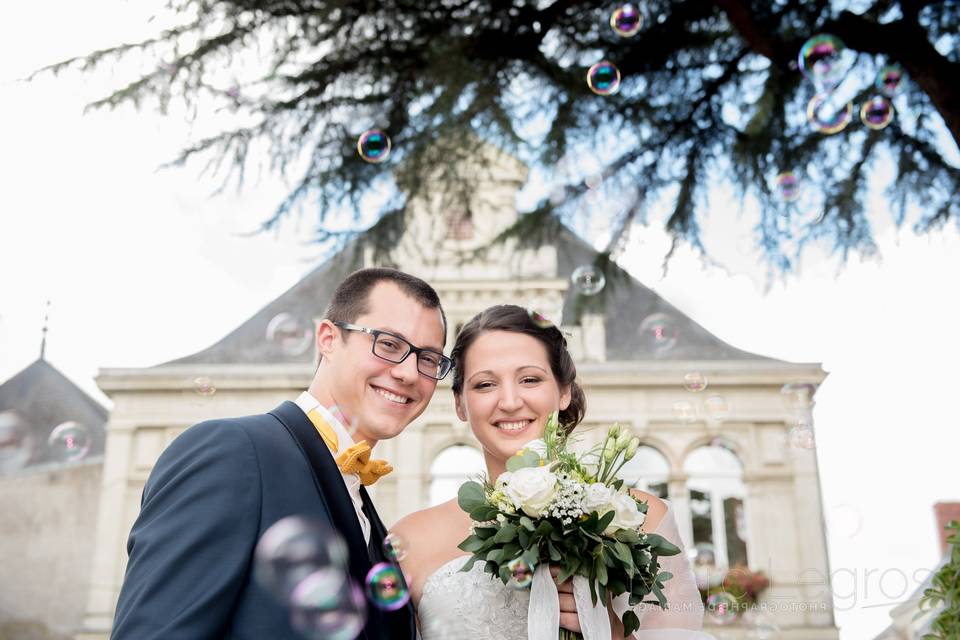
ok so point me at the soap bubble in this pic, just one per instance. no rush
(626, 20)
(787, 186)
(70, 441)
(293, 336)
(16, 443)
(695, 381)
(386, 587)
(321, 613)
(877, 112)
(603, 78)
(826, 116)
(722, 608)
(297, 547)
(521, 573)
(588, 280)
(659, 333)
(393, 548)
(824, 60)
(203, 386)
(374, 146)
(889, 79)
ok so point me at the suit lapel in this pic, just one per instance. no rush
(377, 533)
(329, 482)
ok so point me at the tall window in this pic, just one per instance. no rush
(716, 492)
(451, 468)
(647, 471)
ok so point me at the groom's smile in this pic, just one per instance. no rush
(379, 396)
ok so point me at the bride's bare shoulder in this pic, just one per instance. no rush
(656, 509)
(431, 522)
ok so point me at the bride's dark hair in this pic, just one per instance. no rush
(510, 317)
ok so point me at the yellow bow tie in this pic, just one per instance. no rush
(356, 459)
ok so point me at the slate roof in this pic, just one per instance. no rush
(627, 303)
(43, 398)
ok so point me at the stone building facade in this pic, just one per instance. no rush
(721, 455)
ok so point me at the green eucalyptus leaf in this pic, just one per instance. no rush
(470, 496)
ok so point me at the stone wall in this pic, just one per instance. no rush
(48, 518)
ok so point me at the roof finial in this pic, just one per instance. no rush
(43, 342)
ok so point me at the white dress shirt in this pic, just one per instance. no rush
(308, 403)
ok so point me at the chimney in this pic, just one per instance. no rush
(945, 512)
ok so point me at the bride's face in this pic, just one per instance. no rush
(509, 391)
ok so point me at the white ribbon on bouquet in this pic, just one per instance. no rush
(543, 614)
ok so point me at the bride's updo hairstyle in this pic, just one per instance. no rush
(510, 317)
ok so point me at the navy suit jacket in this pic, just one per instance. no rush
(213, 492)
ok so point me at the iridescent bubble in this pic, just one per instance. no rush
(386, 587)
(521, 573)
(659, 333)
(877, 112)
(626, 20)
(393, 548)
(588, 280)
(545, 313)
(798, 395)
(694, 381)
(718, 408)
(787, 186)
(722, 608)
(374, 146)
(888, 80)
(291, 335)
(824, 60)
(70, 441)
(801, 436)
(295, 548)
(683, 411)
(826, 116)
(320, 613)
(593, 180)
(603, 78)
(15, 441)
(203, 386)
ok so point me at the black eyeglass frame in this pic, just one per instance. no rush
(445, 364)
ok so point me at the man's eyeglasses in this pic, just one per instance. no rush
(392, 348)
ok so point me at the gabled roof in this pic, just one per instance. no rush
(44, 398)
(627, 304)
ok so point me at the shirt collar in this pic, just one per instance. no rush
(332, 415)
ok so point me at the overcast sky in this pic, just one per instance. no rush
(143, 266)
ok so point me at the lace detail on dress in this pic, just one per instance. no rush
(472, 605)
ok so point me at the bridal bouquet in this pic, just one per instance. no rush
(553, 506)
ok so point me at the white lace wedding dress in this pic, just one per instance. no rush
(474, 606)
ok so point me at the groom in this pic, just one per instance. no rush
(222, 483)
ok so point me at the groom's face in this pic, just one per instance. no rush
(381, 398)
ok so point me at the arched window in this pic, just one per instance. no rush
(451, 468)
(647, 471)
(716, 492)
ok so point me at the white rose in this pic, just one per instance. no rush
(538, 446)
(627, 515)
(531, 489)
(598, 497)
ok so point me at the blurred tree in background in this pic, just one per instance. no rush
(710, 94)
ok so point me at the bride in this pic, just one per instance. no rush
(510, 375)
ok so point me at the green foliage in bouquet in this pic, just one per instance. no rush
(548, 507)
(945, 592)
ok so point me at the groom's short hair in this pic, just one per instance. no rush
(351, 298)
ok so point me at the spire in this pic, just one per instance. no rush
(43, 342)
